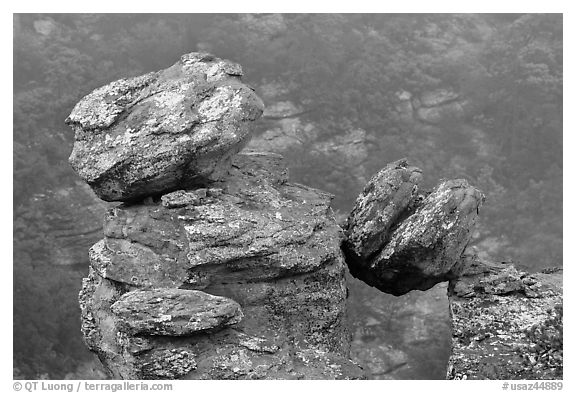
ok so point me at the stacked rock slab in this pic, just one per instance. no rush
(506, 324)
(237, 276)
(399, 239)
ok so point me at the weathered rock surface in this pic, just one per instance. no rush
(163, 130)
(174, 312)
(384, 200)
(255, 241)
(399, 240)
(506, 324)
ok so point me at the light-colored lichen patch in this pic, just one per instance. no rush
(174, 312)
(100, 109)
(223, 100)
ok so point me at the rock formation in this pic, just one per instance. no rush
(163, 130)
(216, 267)
(398, 239)
(506, 324)
(267, 252)
(239, 277)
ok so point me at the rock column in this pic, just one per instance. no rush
(214, 266)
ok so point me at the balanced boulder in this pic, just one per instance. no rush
(398, 239)
(164, 130)
(385, 198)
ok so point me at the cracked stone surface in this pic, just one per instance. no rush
(398, 239)
(385, 198)
(506, 324)
(246, 277)
(163, 130)
(174, 312)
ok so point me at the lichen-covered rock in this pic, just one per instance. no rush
(506, 324)
(398, 240)
(183, 198)
(174, 312)
(255, 240)
(426, 248)
(124, 355)
(385, 198)
(166, 363)
(167, 129)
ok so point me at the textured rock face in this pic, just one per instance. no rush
(174, 312)
(506, 324)
(384, 200)
(163, 130)
(243, 279)
(399, 240)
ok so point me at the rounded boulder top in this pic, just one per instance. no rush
(164, 130)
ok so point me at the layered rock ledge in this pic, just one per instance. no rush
(244, 279)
